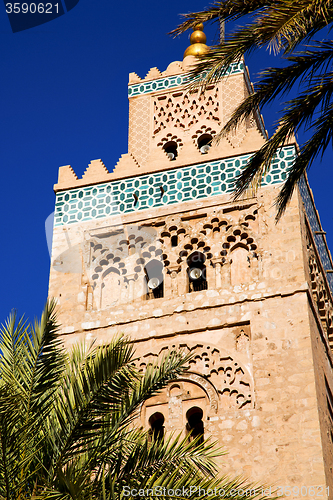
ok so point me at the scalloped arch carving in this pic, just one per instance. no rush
(117, 262)
(117, 256)
(231, 380)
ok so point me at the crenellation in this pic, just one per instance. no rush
(95, 172)
(175, 68)
(67, 176)
(134, 78)
(152, 74)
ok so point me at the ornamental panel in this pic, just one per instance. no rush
(160, 189)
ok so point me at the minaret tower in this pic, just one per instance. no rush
(157, 249)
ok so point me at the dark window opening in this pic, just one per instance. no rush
(156, 431)
(204, 143)
(174, 241)
(154, 279)
(195, 426)
(197, 272)
(171, 150)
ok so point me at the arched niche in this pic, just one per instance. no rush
(175, 401)
(110, 287)
(225, 379)
(240, 265)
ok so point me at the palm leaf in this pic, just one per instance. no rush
(281, 26)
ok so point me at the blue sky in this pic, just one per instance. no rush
(64, 101)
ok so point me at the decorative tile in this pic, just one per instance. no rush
(170, 82)
(140, 193)
(316, 226)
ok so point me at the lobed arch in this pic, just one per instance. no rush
(191, 244)
(127, 257)
(205, 128)
(238, 236)
(117, 262)
(204, 137)
(226, 380)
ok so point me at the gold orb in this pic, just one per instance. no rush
(197, 49)
(198, 27)
(198, 37)
(198, 42)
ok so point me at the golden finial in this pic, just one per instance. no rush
(198, 42)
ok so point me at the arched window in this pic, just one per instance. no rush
(195, 426)
(154, 279)
(197, 272)
(156, 422)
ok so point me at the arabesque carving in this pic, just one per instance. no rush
(320, 291)
(230, 380)
(117, 258)
(185, 109)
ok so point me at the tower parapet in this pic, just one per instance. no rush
(164, 113)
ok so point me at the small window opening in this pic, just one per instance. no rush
(171, 150)
(195, 426)
(154, 279)
(156, 431)
(197, 272)
(204, 143)
(174, 241)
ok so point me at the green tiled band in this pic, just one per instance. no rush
(170, 82)
(161, 188)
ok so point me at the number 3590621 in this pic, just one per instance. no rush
(32, 8)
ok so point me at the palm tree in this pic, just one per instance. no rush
(67, 422)
(287, 27)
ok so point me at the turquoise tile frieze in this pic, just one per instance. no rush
(170, 82)
(160, 188)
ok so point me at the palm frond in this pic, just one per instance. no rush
(299, 111)
(12, 337)
(31, 366)
(276, 82)
(281, 25)
(108, 383)
(226, 10)
(309, 151)
(83, 447)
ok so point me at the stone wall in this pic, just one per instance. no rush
(261, 350)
